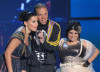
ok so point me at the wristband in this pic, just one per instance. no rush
(86, 64)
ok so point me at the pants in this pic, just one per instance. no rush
(42, 68)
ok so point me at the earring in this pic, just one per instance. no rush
(26, 29)
(78, 38)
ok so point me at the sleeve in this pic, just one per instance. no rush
(18, 35)
(90, 49)
(62, 40)
(53, 42)
(25, 49)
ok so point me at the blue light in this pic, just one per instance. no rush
(27, 1)
(22, 6)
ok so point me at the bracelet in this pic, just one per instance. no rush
(86, 64)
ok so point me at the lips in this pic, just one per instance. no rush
(73, 38)
(43, 20)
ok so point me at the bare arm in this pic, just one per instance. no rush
(11, 47)
(94, 55)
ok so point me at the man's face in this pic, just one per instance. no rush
(42, 14)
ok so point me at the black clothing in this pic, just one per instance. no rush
(43, 68)
(48, 47)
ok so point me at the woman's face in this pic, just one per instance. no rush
(32, 24)
(73, 35)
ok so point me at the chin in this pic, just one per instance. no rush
(72, 40)
(34, 30)
(43, 23)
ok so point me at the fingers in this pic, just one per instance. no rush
(40, 35)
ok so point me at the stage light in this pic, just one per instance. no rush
(27, 1)
(22, 6)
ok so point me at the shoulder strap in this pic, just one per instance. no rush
(18, 35)
(80, 49)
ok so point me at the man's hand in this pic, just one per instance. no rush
(41, 37)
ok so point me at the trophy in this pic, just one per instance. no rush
(40, 52)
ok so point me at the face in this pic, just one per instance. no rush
(32, 24)
(73, 35)
(42, 14)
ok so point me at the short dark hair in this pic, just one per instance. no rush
(73, 25)
(38, 6)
